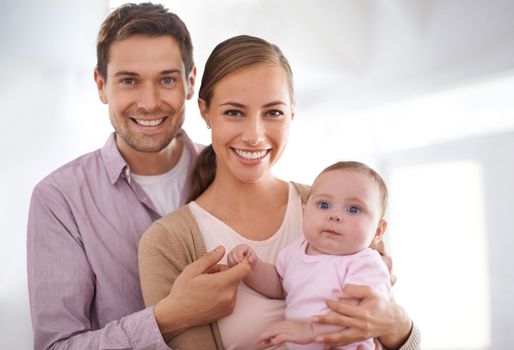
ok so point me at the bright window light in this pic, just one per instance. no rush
(437, 236)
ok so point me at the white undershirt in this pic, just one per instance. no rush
(167, 190)
(253, 312)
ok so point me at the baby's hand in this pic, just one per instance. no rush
(293, 331)
(241, 253)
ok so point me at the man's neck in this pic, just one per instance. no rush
(152, 163)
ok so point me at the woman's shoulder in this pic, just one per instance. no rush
(180, 224)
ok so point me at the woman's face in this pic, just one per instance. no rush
(250, 113)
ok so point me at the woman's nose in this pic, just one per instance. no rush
(253, 132)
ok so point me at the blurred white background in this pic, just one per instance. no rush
(421, 90)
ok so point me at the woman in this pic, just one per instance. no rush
(246, 97)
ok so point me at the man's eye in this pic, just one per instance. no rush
(353, 210)
(167, 81)
(323, 205)
(128, 81)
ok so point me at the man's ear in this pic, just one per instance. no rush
(100, 85)
(191, 83)
(379, 233)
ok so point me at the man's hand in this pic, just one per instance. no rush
(373, 316)
(201, 294)
(299, 332)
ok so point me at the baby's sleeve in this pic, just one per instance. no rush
(368, 268)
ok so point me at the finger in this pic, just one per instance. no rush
(337, 320)
(236, 273)
(342, 309)
(217, 268)
(356, 291)
(205, 263)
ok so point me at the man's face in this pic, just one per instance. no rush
(146, 88)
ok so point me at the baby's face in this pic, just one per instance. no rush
(343, 212)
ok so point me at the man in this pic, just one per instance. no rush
(86, 218)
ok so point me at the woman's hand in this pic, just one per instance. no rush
(373, 316)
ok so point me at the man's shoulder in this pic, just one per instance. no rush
(74, 170)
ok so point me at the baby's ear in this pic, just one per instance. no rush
(379, 233)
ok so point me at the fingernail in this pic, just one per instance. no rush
(315, 319)
(318, 340)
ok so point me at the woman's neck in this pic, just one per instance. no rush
(255, 210)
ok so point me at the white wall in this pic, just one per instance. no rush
(347, 56)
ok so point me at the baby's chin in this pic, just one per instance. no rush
(320, 249)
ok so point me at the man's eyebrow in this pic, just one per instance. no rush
(126, 73)
(170, 71)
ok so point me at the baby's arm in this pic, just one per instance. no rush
(263, 278)
(293, 331)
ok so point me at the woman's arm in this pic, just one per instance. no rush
(366, 308)
(373, 317)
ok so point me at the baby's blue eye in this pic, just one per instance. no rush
(323, 205)
(353, 210)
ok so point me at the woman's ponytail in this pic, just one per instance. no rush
(203, 173)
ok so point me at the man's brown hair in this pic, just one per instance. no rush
(142, 19)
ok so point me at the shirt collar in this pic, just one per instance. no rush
(117, 166)
(114, 163)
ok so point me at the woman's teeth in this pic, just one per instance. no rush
(251, 155)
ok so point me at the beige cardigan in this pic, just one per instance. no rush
(166, 248)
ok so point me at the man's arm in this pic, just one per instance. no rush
(62, 286)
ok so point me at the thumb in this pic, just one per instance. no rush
(205, 263)
(236, 273)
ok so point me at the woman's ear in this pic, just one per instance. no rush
(202, 105)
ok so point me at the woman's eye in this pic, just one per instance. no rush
(275, 113)
(353, 210)
(233, 113)
(323, 205)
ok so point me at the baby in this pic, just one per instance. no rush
(343, 215)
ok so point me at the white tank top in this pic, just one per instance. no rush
(253, 312)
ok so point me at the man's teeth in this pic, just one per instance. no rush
(251, 155)
(149, 122)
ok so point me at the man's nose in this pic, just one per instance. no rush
(148, 98)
